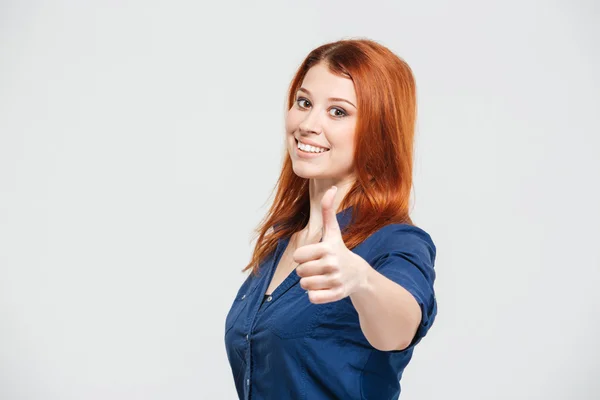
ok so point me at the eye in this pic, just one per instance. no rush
(343, 113)
(300, 100)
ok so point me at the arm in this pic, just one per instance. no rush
(389, 315)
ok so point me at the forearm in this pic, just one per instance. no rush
(389, 315)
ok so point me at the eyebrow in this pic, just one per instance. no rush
(330, 99)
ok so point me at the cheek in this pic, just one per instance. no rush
(292, 120)
(343, 141)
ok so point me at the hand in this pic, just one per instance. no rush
(328, 270)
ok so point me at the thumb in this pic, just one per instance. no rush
(331, 228)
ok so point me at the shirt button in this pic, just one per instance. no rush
(247, 337)
(248, 382)
(269, 298)
(243, 297)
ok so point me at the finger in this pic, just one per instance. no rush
(311, 252)
(314, 267)
(325, 296)
(331, 228)
(317, 282)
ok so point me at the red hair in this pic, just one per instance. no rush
(383, 155)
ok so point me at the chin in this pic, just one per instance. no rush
(308, 171)
(305, 173)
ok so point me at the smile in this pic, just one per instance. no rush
(307, 148)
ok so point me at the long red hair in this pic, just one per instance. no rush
(383, 155)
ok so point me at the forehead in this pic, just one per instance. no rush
(320, 82)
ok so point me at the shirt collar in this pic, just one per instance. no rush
(344, 217)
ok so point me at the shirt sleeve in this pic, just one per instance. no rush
(406, 255)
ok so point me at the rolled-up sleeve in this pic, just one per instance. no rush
(406, 255)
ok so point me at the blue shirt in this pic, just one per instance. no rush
(283, 346)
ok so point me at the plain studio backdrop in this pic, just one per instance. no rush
(140, 142)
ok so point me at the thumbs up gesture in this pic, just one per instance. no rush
(329, 271)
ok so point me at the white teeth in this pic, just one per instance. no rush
(310, 149)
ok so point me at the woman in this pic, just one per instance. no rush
(341, 282)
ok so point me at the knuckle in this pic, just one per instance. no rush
(327, 248)
(328, 260)
(336, 280)
(332, 264)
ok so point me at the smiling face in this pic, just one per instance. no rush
(323, 116)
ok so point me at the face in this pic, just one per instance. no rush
(324, 117)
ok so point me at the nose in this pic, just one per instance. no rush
(310, 124)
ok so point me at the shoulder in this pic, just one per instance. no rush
(401, 238)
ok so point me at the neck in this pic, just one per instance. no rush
(316, 189)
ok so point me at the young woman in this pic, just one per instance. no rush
(341, 282)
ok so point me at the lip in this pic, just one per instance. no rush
(307, 141)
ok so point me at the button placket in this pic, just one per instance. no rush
(252, 320)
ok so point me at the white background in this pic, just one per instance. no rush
(140, 141)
